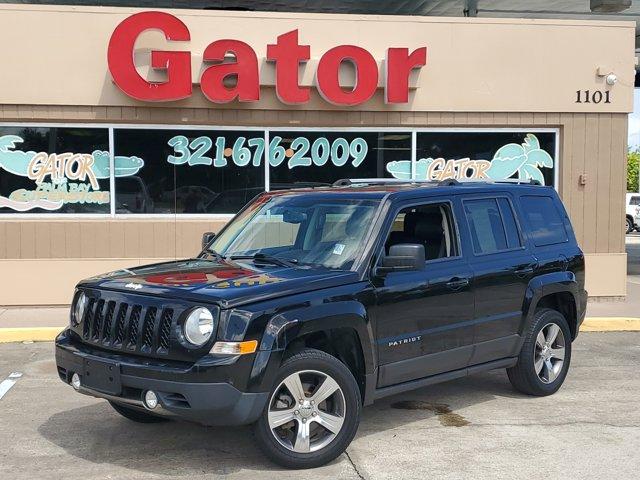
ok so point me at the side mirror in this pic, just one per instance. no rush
(404, 257)
(207, 238)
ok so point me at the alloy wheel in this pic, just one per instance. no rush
(549, 353)
(307, 411)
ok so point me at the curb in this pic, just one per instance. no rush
(590, 324)
(29, 334)
(610, 324)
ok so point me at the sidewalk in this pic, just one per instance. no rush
(32, 324)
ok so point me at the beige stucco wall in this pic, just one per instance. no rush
(505, 65)
(479, 73)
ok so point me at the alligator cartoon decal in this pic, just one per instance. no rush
(55, 175)
(524, 160)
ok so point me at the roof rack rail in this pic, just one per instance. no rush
(346, 182)
(449, 182)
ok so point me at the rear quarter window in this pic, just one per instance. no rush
(543, 220)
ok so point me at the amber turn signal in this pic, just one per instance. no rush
(235, 348)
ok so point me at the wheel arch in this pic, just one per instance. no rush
(558, 291)
(340, 329)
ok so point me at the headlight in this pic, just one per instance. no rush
(77, 311)
(198, 327)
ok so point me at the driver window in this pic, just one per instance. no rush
(427, 225)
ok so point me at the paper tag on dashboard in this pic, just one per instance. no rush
(338, 249)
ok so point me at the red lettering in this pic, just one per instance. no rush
(398, 66)
(366, 75)
(287, 55)
(177, 64)
(245, 69)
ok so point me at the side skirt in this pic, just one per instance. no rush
(443, 377)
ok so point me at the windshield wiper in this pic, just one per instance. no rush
(211, 253)
(264, 257)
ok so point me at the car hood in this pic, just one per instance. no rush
(228, 283)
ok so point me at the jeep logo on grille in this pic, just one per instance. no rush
(135, 286)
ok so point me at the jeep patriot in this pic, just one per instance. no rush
(313, 302)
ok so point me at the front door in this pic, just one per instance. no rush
(423, 319)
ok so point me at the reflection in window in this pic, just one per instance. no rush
(545, 224)
(190, 171)
(485, 225)
(302, 159)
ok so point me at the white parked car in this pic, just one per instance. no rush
(632, 212)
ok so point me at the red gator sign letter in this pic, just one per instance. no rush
(286, 54)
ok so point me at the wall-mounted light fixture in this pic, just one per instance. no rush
(609, 77)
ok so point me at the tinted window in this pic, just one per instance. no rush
(189, 171)
(485, 224)
(635, 201)
(544, 221)
(509, 221)
(300, 159)
(427, 225)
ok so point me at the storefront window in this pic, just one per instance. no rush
(217, 171)
(299, 158)
(484, 154)
(189, 171)
(54, 170)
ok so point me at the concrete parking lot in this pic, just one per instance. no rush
(472, 428)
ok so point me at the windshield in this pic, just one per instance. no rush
(301, 229)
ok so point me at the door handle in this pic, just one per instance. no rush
(525, 270)
(457, 283)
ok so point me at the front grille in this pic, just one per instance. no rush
(128, 326)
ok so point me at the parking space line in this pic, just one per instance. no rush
(6, 385)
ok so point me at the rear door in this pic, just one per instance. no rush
(502, 266)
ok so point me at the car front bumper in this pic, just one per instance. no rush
(208, 403)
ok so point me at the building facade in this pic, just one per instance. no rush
(125, 134)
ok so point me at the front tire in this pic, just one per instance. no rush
(545, 356)
(629, 226)
(313, 411)
(136, 415)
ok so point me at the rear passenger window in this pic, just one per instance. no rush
(544, 221)
(510, 225)
(485, 224)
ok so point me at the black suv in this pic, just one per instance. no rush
(311, 303)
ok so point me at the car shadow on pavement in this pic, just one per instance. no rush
(96, 433)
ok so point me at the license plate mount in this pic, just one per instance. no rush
(102, 376)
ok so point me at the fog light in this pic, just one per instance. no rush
(75, 381)
(150, 400)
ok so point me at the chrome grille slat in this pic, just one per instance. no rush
(143, 326)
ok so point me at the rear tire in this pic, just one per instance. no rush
(545, 356)
(629, 227)
(136, 415)
(303, 425)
